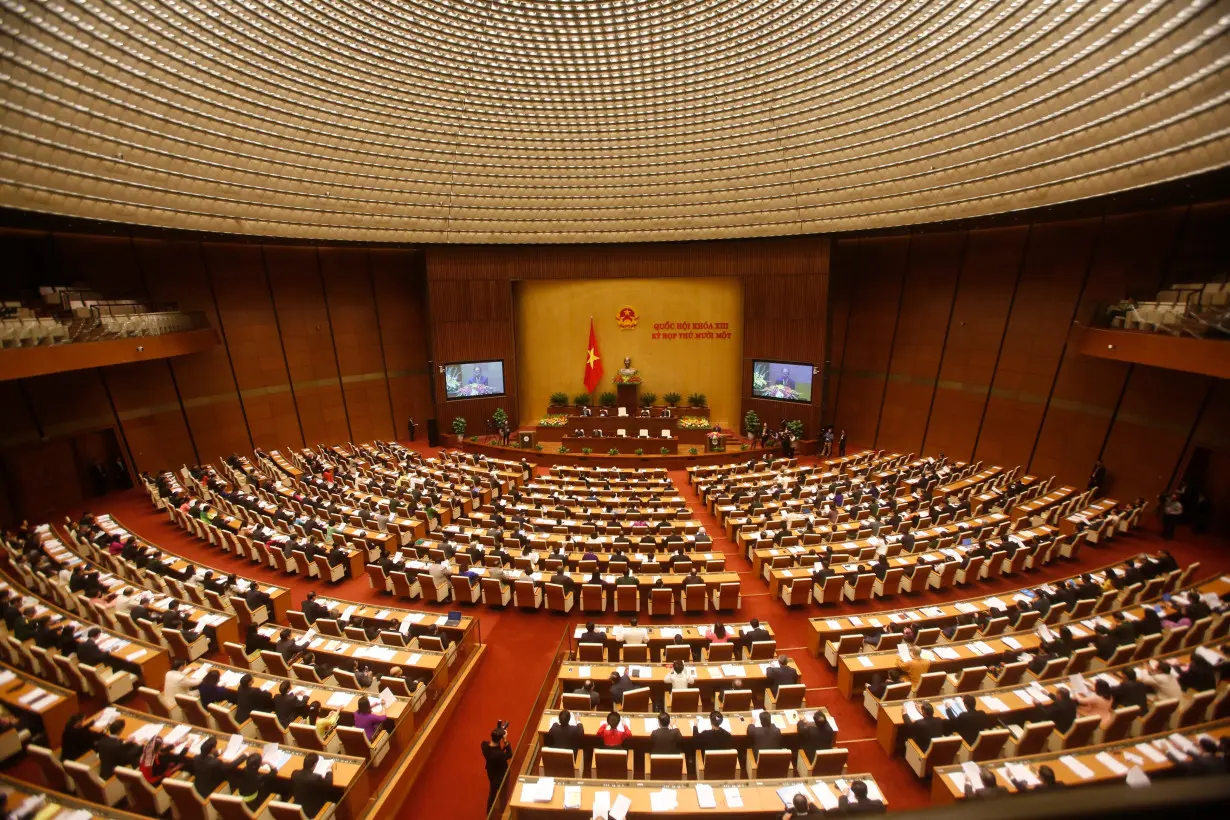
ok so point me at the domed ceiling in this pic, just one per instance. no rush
(572, 120)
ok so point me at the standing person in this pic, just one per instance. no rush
(828, 442)
(1097, 476)
(411, 427)
(841, 445)
(497, 753)
(1172, 511)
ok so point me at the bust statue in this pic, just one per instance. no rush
(628, 374)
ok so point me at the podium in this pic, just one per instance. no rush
(525, 439)
(626, 396)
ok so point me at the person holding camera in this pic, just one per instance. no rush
(497, 753)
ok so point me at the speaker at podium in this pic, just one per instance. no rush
(525, 439)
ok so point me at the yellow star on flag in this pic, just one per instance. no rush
(593, 357)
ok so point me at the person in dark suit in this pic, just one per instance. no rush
(927, 729)
(1061, 711)
(619, 685)
(249, 699)
(312, 609)
(286, 646)
(114, 751)
(990, 787)
(757, 633)
(627, 579)
(814, 735)
(256, 598)
(252, 780)
(666, 739)
(1046, 781)
(310, 790)
(411, 427)
(880, 567)
(907, 541)
(588, 690)
(854, 799)
(970, 722)
(208, 770)
(1131, 692)
(88, 651)
(564, 580)
(591, 635)
(781, 675)
(715, 737)
(287, 705)
(821, 573)
(255, 642)
(142, 611)
(337, 556)
(766, 735)
(565, 734)
(1097, 476)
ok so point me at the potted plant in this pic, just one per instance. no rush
(607, 399)
(696, 400)
(459, 428)
(647, 399)
(693, 451)
(499, 417)
(640, 451)
(744, 446)
(672, 398)
(559, 399)
(666, 451)
(586, 450)
(751, 423)
(581, 399)
(614, 451)
(795, 426)
(538, 448)
(562, 449)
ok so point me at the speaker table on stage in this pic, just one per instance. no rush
(526, 439)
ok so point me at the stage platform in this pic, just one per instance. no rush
(548, 457)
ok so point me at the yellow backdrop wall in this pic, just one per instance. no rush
(688, 338)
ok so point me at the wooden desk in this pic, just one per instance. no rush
(1081, 517)
(424, 663)
(854, 671)
(830, 628)
(16, 792)
(758, 798)
(642, 725)
(1042, 502)
(19, 692)
(462, 632)
(709, 676)
(659, 637)
(946, 779)
(967, 482)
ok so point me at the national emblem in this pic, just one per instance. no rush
(627, 318)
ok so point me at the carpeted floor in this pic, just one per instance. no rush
(521, 647)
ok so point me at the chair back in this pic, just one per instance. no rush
(635, 653)
(1120, 724)
(193, 712)
(1195, 709)
(790, 696)
(773, 763)
(50, 767)
(224, 718)
(694, 598)
(230, 807)
(354, 741)
(141, 795)
(390, 637)
(269, 727)
(989, 744)
(275, 664)
(574, 701)
(612, 764)
(667, 767)
(728, 597)
(763, 650)
(895, 692)
(736, 700)
(593, 598)
(1033, 738)
(188, 805)
(636, 700)
(892, 581)
(557, 601)
(403, 587)
(943, 751)
(525, 594)
(290, 811)
(89, 785)
(239, 658)
(1158, 717)
(559, 762)
(494, 593)
(826, 763)
(329, 626)
(860, 590)
(1081, 732)
(683, 701)
(720, 764)
(930, 684)
(298, 620)
(304, 736)
(463, 591)
(592, 652)
(661, 601)
(627, 598)
(970, 679)
(927, 637)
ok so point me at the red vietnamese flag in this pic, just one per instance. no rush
(593, 361)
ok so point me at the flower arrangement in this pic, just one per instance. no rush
(562, 449)
(614, 451)
(621, 378)
(640, 451)
(538, 448)
(751, 423)
(553, 421)
(694, 423)
(586, 450)
(693, 451)
(500, 417)
(459, 426)
(665, 451)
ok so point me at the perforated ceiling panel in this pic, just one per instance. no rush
(571, 120)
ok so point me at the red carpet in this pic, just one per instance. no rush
(521, 647)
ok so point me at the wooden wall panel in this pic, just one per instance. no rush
(1042, 311)
(1151, 430)
(876, 270)
(399, 285)
(150, 415)
(307, 342)
(1203, 250)
(926, 304)
(976, 329)
(781, 322)
(1130, 257)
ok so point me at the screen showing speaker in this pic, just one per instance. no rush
(786, 381)
(468, 380)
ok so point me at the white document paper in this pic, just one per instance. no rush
(704, 796)
(734, 799)
(865, 661)
(1109, 762)
(1076, 767)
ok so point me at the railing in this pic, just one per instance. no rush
(1183, 313)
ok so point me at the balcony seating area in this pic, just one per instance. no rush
(1200, 310)
(62, 315)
